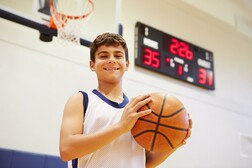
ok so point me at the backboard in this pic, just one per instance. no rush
(36, 14)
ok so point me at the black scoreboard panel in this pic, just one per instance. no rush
(163, 53)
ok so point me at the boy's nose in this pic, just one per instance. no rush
(111, 59)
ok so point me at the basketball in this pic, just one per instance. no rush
(165, 127)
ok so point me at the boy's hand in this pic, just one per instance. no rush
(130, 114)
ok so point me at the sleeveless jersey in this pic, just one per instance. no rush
(123, 152)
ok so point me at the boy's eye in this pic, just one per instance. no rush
(118, 56)
(103, 56)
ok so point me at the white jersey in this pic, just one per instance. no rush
(123, 152)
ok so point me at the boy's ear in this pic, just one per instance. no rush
(91, 65)
(127, 65)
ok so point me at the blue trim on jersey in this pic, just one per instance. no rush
(85, 101)
(112, 103)
(74, 163)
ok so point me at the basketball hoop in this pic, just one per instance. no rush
(68, 17)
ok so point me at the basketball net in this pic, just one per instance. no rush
(68, 17)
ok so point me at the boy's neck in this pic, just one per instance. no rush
(113, 93)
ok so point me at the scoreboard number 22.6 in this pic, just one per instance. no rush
(163, 53)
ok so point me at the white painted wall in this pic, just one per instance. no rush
(218, 116)
(37, 78)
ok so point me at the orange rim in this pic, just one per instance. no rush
(69, 16)
(52, 24)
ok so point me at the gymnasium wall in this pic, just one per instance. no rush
(37, 78)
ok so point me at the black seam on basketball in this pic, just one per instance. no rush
(176, 112)
(140, 133)
(164, 125)
(148, 105)
(156, 131)
(176, 128)
(167, 139)
(143, 119)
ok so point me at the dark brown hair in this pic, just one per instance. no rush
(108, 39)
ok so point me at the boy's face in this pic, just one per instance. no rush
(110, 63)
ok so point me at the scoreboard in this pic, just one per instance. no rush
(169, 55)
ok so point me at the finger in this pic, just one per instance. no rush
(188, 133)
(190, 123)
(182, 143)
(144, 113)
(142, 103)
(137, 99)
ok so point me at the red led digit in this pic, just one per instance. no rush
(189, 55)
(147, 56)
(168, 60)
(181, 49)
(151, 58)
(210, 78)
(202, 76)
(155, 59)
(180, 70)
(205, 77)
(174, 46)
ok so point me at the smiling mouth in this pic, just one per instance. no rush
(111, 69)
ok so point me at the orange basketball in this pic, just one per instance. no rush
(165, 128)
